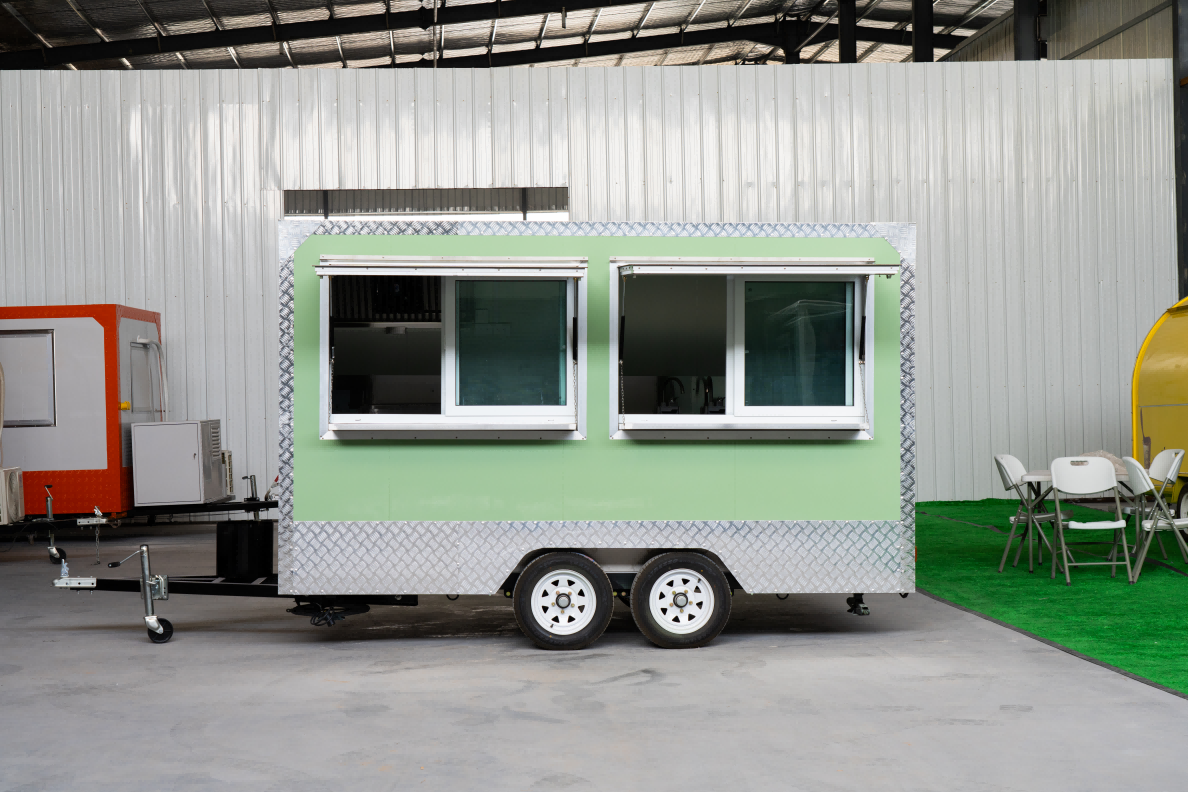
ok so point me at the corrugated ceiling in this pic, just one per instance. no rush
(34, 24)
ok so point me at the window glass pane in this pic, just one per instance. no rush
(799, 344)
(512, 342)
(387, 369)
(28, 360)
(145, 390)
(385, 341)
(673, 331)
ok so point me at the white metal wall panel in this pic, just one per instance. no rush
(1042, 193)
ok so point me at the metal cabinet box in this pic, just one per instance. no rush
(178, 462)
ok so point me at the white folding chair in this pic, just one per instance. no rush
(1161, 519)
(1165, 467)
(1086, 476)
(1030, 512)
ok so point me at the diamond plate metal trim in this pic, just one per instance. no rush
(476, 557)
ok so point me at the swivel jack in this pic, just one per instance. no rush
(857, 606)
(152, 587)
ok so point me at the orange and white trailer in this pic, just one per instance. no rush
(76, 378)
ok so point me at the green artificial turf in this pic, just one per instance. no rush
(1141, 628)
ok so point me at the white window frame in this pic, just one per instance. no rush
(449, 363)
(736, 373)
(842, 422)
(458, 422)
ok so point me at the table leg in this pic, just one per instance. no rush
(1041, 494)
(1034, 491)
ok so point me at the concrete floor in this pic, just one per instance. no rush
(795, 695)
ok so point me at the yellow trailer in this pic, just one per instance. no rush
(1159, 395)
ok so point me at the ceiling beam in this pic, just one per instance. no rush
(28, 26)
(421, 19)
(763, 33)
(766, 33)
(161, 31)
(870, 6)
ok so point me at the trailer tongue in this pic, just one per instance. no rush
(321, 611)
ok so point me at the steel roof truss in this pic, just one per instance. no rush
(421, 19)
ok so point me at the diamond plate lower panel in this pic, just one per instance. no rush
(473, 558)
(476, 557)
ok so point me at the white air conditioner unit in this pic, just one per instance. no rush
(12, 495)
(178, 462)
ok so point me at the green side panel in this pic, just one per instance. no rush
(597, 478)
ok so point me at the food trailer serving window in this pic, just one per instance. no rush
(450, 346)
(742, 347)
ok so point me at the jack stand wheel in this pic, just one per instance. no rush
(857, 606)
(161, 637)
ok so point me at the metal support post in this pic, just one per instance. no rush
(922, 33)
(790, 41)
(1027, 43)
(792, 37)
(1179, 78)
(847, 31)
(146, 591)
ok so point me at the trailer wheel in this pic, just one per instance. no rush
(680, 600)
(563, 601)
(161, 637)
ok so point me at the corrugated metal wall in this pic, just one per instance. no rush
(995, 42)
(1042, 193)
(413, 128)
(1077, 23)
(1074, 25)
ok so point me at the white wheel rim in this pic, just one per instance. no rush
(550, 594)
(665, 595)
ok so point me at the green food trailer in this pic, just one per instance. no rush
(572, 413)
(567, 414)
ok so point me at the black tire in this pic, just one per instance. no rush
(651, 577)
(162, 637)
(548, 566)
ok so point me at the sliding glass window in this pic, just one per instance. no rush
(496, 350)
(747, 345)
